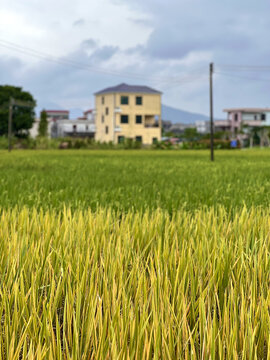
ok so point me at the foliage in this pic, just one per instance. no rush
(44, 143)
(84, 285)
(192, 145)
(190, 134)
(219, 135)
(134, 254)
(134, 179)
(23, 117)
(43, 124)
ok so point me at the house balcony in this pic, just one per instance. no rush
(151, 121)
(253, 123)
(154, 125)
(79, 134)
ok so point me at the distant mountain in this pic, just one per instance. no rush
(180, 116)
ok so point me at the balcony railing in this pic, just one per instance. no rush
(253, 123)
(155, 125)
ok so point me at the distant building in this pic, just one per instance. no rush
(57, 114)
(250, 117)
(166, 124)
(33, 132)
(128, 112)
(83, 126)
(75, 128)
(59, 125)
(202, 126)
(222, 125)
(89, 115)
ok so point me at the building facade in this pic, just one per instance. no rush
(54, 115)
(74, 128)
(247, 117)
(128, 112)
(82, 127)
(59, 125)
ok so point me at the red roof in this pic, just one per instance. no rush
(88, 111)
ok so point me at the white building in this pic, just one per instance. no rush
(82, 127)
(59, 125)
(33, 132)
(202, 126)
(73, 128)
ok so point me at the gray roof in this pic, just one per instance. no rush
(125, 88)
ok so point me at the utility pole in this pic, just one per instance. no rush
(211, 70)
(11, 101)
(18, 103)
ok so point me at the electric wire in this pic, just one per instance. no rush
(82, 66)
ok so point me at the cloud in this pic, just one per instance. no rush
(151, 42)
(79, 22)
(165, 42)
(145, 22)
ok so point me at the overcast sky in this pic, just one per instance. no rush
(166, 44)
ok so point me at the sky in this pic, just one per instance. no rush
(83, 46)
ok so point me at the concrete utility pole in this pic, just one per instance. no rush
(19, 103)
(211, 70)
(11, 101)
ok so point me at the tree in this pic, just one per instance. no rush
(43, 124)
(22, 117)
(190, 134)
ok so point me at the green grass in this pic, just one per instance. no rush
(134, 255)
(134, 179)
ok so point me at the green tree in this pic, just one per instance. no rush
(43, 124)
(23, 117)
(190, 134)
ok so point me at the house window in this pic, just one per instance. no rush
(235, 117)
(124, 100)
(154, 140)
(138, 100)
(102, 118)
(107, 111)
(106, 129)
(263, 117)
(255, 117)
(124, 119)
(103, 100)
(138, 119)
(138, 139)
(121, 139)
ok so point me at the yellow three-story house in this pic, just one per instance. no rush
(128, 112)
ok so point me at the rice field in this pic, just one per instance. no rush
(179, 271)
(137, 180)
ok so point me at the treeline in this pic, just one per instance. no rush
(44, 143)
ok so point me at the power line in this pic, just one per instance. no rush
(242, 77)
(201, 78)
(82, 66)
(245, 68)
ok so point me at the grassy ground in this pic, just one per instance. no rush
(134, 179)
(134, 255)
